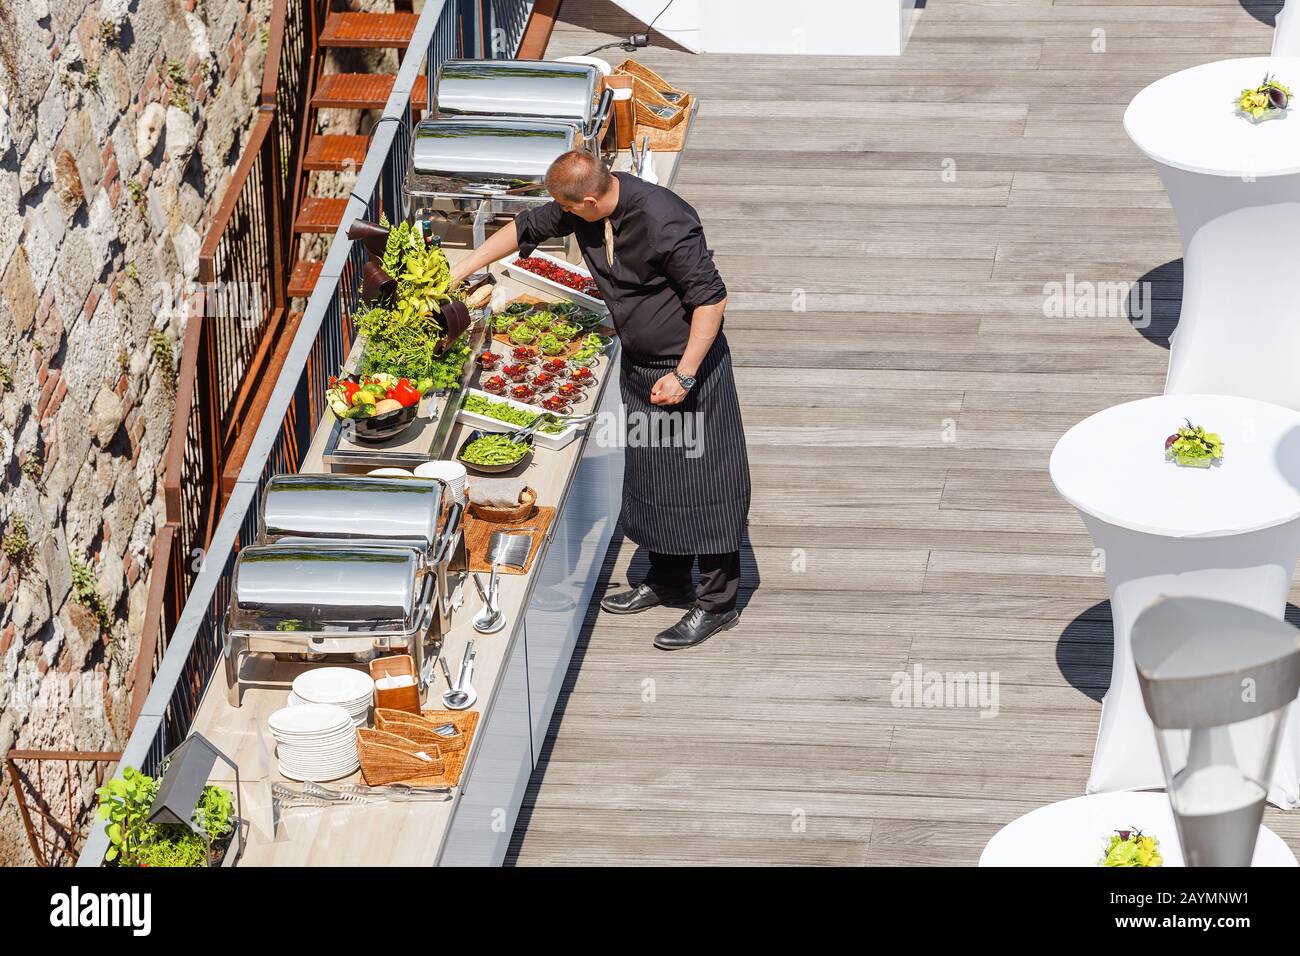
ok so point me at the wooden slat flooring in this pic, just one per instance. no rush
(902, 390)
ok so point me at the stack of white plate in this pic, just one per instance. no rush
(341, 686)
(315, 742)
(452, 472)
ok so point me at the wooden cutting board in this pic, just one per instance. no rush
(478, 533)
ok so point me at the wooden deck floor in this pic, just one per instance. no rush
(928, 534)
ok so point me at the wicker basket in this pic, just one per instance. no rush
(661, 115)
(396, 698)
(388, 758)
(420, 729)
(526, 508)
(663, 140)
(653, 81)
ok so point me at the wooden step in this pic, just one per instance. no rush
(318, 214)
(363, 91)
(335, 153)
(303, 280)
(369, 30)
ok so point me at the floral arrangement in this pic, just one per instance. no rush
(1131, 848)
(1193, 447)
(1269, 99)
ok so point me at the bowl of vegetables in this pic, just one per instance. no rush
(492, 452)
(564, 331)
(549, 344)
(374, 407)
(522, 334)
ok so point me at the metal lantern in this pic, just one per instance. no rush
(1217, 679)
(189, 767)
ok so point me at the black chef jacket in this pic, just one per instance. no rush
(662, 267)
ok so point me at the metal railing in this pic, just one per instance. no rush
(293, 411)
(54, 826)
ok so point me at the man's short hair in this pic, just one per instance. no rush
(577, 174)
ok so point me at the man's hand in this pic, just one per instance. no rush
(667, 391)
(461, 271)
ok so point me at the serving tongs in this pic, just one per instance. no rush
(314, 795)
(399, 792)
(527, 430)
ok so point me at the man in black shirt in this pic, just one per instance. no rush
(646, 251)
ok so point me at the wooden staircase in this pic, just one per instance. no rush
(342, 153)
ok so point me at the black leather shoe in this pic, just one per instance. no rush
(695, 628)
(640, 598)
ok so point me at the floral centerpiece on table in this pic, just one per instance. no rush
(1267, 101)
(1131, 848)
(1193, 447)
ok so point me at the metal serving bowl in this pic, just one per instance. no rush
(478, 433)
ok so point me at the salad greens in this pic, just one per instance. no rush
(505, 412)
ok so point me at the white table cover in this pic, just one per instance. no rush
(1074, 833)
(1235, 190)
(1230, 533)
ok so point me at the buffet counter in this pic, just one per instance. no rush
(518, 673)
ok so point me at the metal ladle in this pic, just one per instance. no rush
(461, 694)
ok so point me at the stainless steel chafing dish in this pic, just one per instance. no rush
(302, 508)
(326, 598)
(529, 89)
(476, 159)
(500, 124)
(339, 515)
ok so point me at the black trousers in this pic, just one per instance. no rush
(719, 577)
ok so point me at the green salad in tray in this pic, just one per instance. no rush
(507, 413)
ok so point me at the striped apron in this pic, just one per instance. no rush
(686, 481)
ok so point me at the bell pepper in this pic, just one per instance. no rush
(404, 392)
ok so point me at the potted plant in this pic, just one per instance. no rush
(126, 802)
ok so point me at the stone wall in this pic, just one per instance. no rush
(120, 124)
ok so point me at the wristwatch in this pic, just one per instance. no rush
(685, 381)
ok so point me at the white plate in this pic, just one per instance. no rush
(335, 685)
(390, 473)
(308, 720)
(317, 776)
(313, 751)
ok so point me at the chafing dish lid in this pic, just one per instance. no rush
(325, 588)
(484, 155)
(351, 507)
(541, 89)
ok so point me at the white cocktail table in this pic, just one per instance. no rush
(1074, 833)
(1230, 533)
(1235, 190)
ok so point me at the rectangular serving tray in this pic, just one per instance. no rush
(553, 289)
(541, 439)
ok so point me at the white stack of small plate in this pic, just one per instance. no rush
(452, 472)
(341, 686)
(315, 742)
